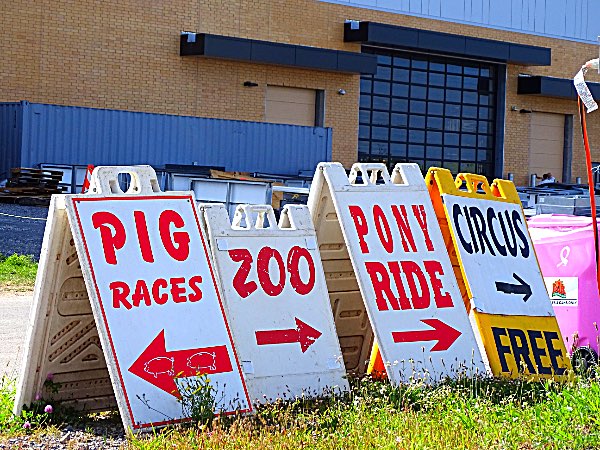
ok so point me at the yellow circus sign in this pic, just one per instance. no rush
(497, 269)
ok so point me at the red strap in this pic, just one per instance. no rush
(588, 163)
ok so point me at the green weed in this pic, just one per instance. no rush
(465, 413)
(198, 399)
(39, 414)
(17, 272)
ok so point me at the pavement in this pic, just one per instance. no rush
(14, 318)
(22, 229)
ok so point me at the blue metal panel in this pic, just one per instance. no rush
(570, 18)
(434, 8)
(585, 21)
(10, 137)
(476, 11)
(389, 4)
(453, 9)
(517, 13)
(74, 135)
(500, 14)
(565, 19)
(556, 22)
(540, 16)
(485, 19)
(416, 6)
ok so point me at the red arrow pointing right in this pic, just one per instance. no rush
(444, 334)
(303, 334)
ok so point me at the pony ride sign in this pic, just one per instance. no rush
(402, 267)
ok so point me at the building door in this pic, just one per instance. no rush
(546, 144)
(294, 106)
(430, 110)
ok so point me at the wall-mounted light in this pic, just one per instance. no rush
(190, 36)
(250, 84)
(342, 92)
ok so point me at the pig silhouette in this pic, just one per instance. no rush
(159, 365)
(203, 361)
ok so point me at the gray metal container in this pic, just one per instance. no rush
(577, 205)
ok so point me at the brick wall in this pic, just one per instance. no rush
(125, 55)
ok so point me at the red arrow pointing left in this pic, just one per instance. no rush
(444, 334)
(303, 334)
(159, 367)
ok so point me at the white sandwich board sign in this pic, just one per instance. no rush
(498, 257)
(276, 301)
(402, 267)
(153, 295)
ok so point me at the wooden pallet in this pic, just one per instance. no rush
(35, 172)
(35, 190)
(28, 181)
(35, 178)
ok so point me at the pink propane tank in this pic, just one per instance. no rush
(565, 249)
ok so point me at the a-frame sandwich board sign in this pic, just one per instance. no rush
(380, 232)
(495, 262)
(276, 301)
(126, 290)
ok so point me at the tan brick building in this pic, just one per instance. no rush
(434, 99)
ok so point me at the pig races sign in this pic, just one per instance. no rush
(500, 272)
(276, 301)
(154, 298)
(402, 267)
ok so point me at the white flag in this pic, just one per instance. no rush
(583, 91)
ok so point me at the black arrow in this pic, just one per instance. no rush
(522, 288)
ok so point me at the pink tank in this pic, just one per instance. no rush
(565, 249)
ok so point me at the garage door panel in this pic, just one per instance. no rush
(547, 119)
(295, 106)
(546, 143)
(289, 94)
(547, 133)
(280, 112)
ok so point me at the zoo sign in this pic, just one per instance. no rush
(155, 300)
(276, 301)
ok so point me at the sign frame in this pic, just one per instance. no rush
(143, 188)
(442, 186)
(331, 193)
(283, 356)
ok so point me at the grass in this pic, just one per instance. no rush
(464, 414)
(17, 273)
(471, 413)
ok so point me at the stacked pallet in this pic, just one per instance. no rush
(26, 181)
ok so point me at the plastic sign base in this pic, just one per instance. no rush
(63, 345)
